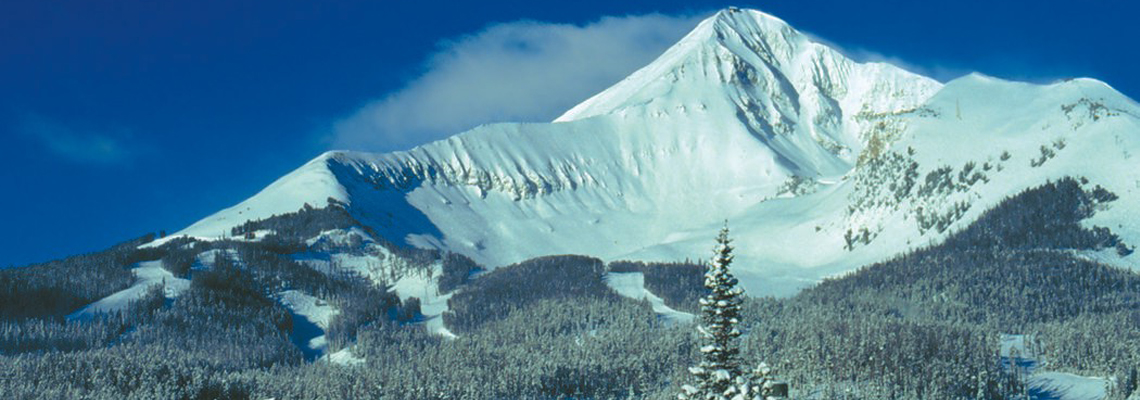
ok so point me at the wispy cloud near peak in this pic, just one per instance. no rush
(523, 71)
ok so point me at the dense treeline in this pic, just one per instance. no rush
(1015, 271)
(1097, 345)
(306, 223)
(359, 301)
(179, 256)
(34, 335)
(589, 347)
(457, 270)
(224, 312)
(1009, 270)
(1004, 290)
(1044, 217)
(680, 284)
(227, 321)
(496, 294)
(51, 334)
(868, 354)
(221, 323)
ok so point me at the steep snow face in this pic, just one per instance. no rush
(802, 98)
(820, 164)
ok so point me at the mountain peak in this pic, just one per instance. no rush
(745, 118)
(740, 48)
(746, 21)
(732, 16)
(798, 96)
(729, 36)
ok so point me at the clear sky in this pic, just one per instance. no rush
(127, 117)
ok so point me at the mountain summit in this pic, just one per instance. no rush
(821, 163)
(801, 98)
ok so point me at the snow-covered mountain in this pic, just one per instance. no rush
(820, 164)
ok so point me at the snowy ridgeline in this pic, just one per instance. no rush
(745, 119)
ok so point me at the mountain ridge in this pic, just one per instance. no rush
(785, 137)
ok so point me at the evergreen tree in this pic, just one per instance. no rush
(719, 374)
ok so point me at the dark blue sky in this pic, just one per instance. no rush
(121, 118)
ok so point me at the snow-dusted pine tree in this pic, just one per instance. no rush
(717, 374)
(720, 376)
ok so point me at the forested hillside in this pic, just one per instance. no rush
(924, 325)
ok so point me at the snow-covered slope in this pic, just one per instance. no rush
(1048, 385)
(311, 184)
(316, 313)
(147, 275)
(820, 163)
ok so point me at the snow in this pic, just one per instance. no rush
(342, 238)
(1048, 385)
(432, 303)
(316, 312)
(632, 285)
(205, 259)
(311, 184)
(147, 274)
(712, 130)
(1109, 256)
(379, 265)
(343, 357)
(1065, 386)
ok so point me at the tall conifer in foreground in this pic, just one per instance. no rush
(720, 313)
(720, 376)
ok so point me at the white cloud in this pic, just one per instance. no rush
(77, 146)
(520, 71)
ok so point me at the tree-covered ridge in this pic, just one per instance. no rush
(1017, 269)
(306, 223)
(1010, 269)
(232, 283)
(1044, 217)
(56, 288)
(496, 294)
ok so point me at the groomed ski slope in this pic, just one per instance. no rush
(632, 285)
